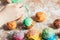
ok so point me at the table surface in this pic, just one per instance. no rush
(50, 7)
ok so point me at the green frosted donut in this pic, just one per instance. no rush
(27, 22)
(16, 1)
(47, 33)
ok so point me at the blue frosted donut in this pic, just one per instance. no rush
(48, 34)
(51, 38)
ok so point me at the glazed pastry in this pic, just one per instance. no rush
(14, 1)
(11, 25)
(56, 23)
(40, 16)
(48, 34)
(18, 36)
(33, 35)
(28, 23)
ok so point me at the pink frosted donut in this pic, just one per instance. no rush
(18, 36)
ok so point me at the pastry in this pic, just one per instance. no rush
(11, 25)
(28, 23)
(18, 36)
(48, 34)
(56, 23)
(33, 35)
(40, 16)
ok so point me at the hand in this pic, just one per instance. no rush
(11, 12)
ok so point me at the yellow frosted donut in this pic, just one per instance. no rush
(33, 35)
